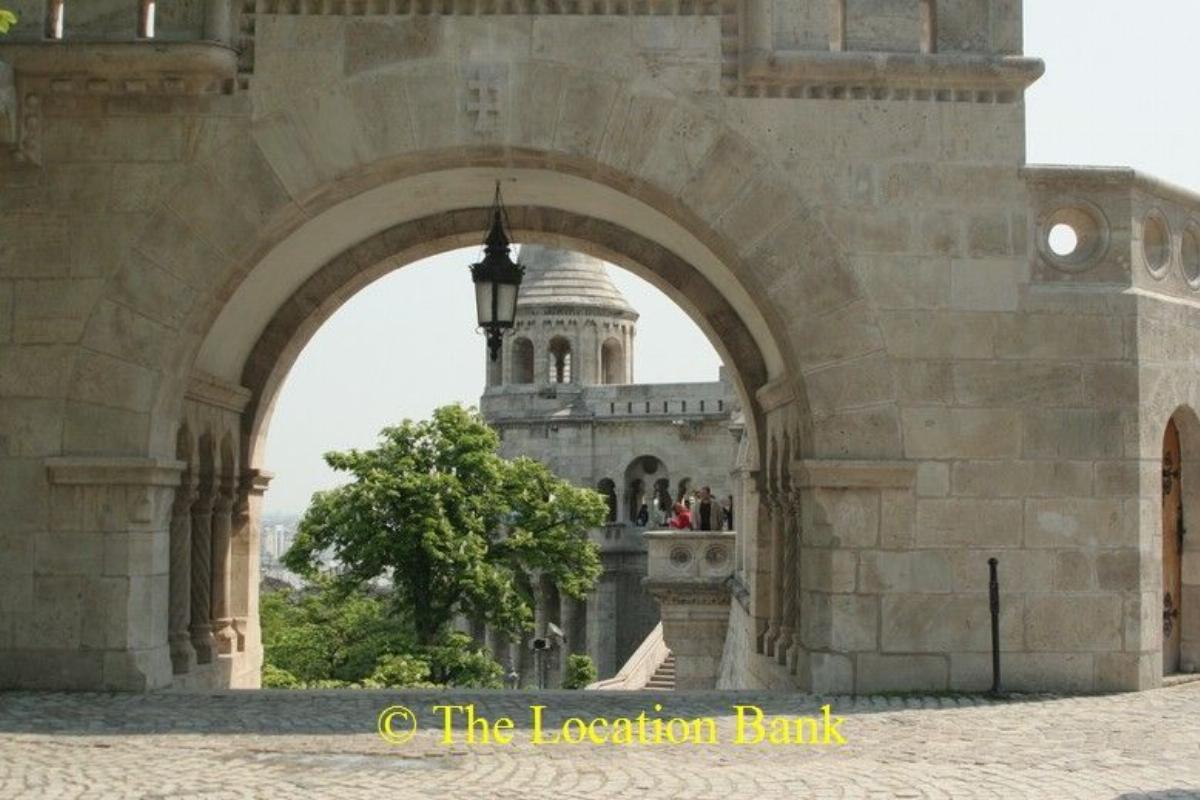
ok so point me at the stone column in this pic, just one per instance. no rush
(775, 620)
(789, 640)
(222, 528)
(217, 21)
(202, 629)
(246, 572)
(567, 607)
(602, 627)
(101, 623)
(183, 655)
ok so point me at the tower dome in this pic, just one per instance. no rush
(573, 326)
(564, 278)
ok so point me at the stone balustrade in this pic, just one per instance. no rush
(1113, 226)
(689, 574)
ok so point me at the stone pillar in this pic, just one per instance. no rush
(567, 614)
(99, 616)
(222, 532)
(217, 21)
(788, 649)
(602, 627)
(183, 655)
(246, 571)
(775, 620)
(202, 629)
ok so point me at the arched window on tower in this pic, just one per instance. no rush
(612, 362)
(55, 16)
(146, 19)
(560, 360)
(607, 488)
(929, 26)
(522, 361)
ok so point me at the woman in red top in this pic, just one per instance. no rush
(682, 519)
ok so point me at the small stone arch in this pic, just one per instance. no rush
(608, 488)
(522, 360)
(612, 362)
(559, 358)
(641, 476)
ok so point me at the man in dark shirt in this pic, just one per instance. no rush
(708, 511)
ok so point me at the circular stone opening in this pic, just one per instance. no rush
(1063, 240)
(1073, 238)
(1156, 244)
(1191, 255)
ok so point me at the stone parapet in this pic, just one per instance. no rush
(690, 574)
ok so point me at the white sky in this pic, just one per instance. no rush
(1119, 90)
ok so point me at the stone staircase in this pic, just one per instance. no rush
(663, 679)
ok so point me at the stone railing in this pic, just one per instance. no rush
(690, 573)
(1113, 226)
(640, 667)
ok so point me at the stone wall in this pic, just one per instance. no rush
(924, 386)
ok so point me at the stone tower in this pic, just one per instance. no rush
(573, 326)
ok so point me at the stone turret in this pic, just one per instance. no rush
(573, 325)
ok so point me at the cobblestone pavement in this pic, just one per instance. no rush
(325, 744)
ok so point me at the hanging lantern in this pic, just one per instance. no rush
(497, 280)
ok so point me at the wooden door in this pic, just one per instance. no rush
(1172, 540)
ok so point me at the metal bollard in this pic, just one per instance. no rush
(994, 602)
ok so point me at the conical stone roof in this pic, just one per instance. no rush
(565, 278)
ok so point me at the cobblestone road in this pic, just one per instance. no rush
(324, 744)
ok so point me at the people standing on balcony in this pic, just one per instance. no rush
(682, 521)
(707, 513)
(643, 516)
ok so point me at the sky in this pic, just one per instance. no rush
(1118, 91)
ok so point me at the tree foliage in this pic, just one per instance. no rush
(326, 637)
(455, 527)
(7, 20)
(579, 673)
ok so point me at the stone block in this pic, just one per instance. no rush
(923, 383)
(1074, 571)
(69, 553)
(840, 518)
(939, 334)
(1066, 623)
(898, 513)
(1119, 570)
(854, 620)
(1009, 384)
(1021, 478)
(1126, 672)
(889, 572)
(1041, 672)
(1074, 433)
(831, 673)
(867, 434)
(1020, 571)
(863, 382)
(961, 433)
(1059, 337)
(933, 479)
(1111, 384)
(884, 673)
(824, 570)
(56, 621)
(904, 282)
(944, 623)
(1119, 478)
(985, 284)
(1074, 522)
(971, 523)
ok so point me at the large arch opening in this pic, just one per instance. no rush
(253, 339)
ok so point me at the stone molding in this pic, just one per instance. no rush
(138, 67)
(113, 471)
(835, 474)
(775, 394)
(212, 391)
(888, 76)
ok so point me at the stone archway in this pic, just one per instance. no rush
(273, 229)
(1179, 574)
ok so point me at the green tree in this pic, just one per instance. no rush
(325, 634)
(455, 527)
(7, 20)
(579, 673)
